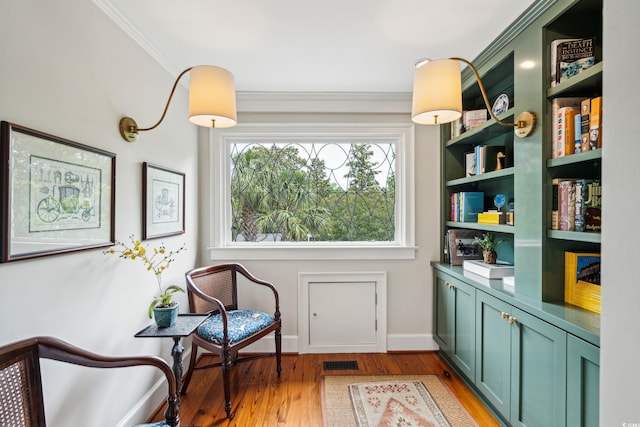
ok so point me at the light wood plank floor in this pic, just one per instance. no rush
(260, 398)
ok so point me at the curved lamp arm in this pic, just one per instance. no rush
(525, 122)
(129, 128)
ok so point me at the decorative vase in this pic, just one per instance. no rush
(490, 257)
(166, 316)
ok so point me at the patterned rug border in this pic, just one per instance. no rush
(342, 414)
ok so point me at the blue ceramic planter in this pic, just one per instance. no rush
(166, 316)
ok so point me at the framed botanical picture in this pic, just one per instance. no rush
(461, 245)
(162, 201)
(57, 196)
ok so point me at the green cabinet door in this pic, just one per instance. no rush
(455, 322)
(583, 383)
(538, 371)
(443, 312)
(493, 352)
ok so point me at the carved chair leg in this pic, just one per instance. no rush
(171, 415)
(227, 364)
(192, 365)
(278, 351)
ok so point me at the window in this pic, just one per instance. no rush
(304, 192)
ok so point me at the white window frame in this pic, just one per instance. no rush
(223, 248)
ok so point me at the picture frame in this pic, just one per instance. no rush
(461, 246)
(57, 195)
(470, 164)
(163, 201)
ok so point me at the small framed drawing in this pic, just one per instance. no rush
(58, 196)
(470, 164)
(461, 245)
(162, 201)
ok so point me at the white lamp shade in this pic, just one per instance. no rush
(437, 92)
(212, 97)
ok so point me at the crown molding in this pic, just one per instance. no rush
(324, 102)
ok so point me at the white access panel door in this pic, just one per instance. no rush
(344, 316)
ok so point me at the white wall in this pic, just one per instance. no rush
(69, 71)
(620, 336)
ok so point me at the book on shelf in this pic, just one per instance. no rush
(582, 280)
(466, 205)
(585, 110)
(581, 192)
(570, 57)
(474, 118)
(470, 164)
(577, 133)
(555, 219)
(489, 158)
(595, 123)
(492, 217)
(509, 281)
(559, 107)
(456, 128)
(593, 207)
(566, 204)
(490, 271)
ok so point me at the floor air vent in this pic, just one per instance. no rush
(340, 365)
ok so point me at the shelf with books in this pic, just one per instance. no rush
(484, 132)
(572, 159)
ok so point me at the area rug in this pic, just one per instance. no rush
(390, 400)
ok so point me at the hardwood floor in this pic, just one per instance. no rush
(260, 398)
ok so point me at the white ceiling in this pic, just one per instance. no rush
(303, 46)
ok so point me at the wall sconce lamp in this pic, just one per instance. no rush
(437, 96)
(212, 101)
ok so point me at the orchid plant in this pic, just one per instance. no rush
(155, 260)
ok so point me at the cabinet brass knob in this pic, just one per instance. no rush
(504, 315)
(512, 320)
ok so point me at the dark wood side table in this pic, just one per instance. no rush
(184, 326)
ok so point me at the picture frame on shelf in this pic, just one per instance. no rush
(58, 195)
(163, 201)
(462, 246)
(470, 164)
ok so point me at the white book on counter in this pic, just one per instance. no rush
(509, 281)
(490, 271)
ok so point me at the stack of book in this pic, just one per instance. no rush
(490, 271)
(488, 158)
(577, 125)
(466, 205)
(582, 280)
(576, 205)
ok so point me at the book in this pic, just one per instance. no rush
(456, 128)
(577, 133)
(555, 220)
(573, 56)
(595, 123)
(471, 203)
(470, 164)
(585, 110)
(564, 136)
(582, 280)
(488, 158)
(490, 271)
(566, 204)
(509, 281)
(491, 283)
(593, 207)
(492, 217)
(556, 105)
(553, 51)
(473, 118)
(580, 197)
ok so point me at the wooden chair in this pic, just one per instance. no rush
(21, 398)
(214, 289)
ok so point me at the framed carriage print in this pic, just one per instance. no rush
(162, 201)
(57, 195)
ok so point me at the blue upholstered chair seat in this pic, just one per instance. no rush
(241, 324)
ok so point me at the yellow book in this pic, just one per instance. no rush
(582, 280)
(492, 218)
